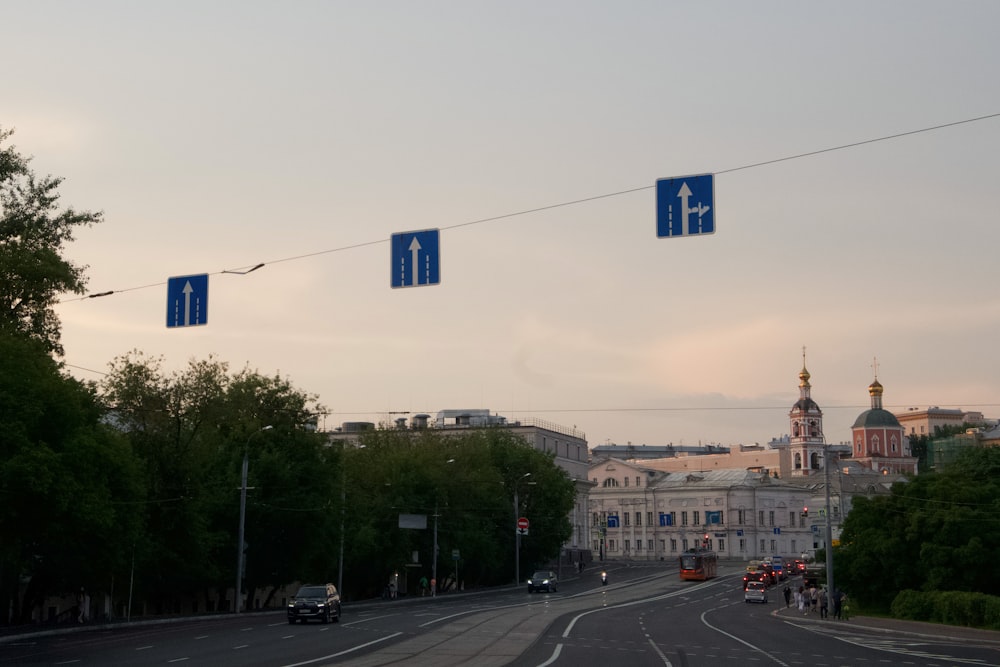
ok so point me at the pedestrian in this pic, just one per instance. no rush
(434, 587)
(81, 606)
(423, 586)
(392, 590)
(823, 604)
(813, 598)
(845, 607)
(800, 598)
(837, 602)
(788, 595)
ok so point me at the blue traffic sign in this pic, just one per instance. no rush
(187, 301)
(685, 206)
(416, 258)
(613, 521)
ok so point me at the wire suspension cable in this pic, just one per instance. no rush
(252, 267)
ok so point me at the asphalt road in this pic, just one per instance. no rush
(645, 616)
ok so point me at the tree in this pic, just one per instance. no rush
(68, 484)
(190, 431)
(33, 231)
(932, 533)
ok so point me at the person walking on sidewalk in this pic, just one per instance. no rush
(823, 601)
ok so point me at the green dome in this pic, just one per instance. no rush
(876, 418)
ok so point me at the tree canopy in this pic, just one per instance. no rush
(33, 233)
(935, 532)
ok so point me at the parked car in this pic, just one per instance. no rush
(543, 580)
(320, 602)
(756, 592)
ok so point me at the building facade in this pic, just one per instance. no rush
(879, 440)
(637, 513)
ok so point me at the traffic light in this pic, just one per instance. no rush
(805, 511)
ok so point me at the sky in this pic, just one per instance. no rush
(215, 136)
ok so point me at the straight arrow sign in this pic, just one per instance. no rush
(187, 301)
(415, 258)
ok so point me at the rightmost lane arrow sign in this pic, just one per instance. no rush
(685, 206)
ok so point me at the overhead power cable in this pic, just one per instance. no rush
(243, 270)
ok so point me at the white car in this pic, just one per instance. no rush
(756, 592)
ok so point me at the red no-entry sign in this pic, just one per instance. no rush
(522, 523)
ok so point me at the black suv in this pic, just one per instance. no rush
(321, 602)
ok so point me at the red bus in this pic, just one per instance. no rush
(698, 564)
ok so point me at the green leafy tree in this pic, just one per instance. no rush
(467, 482)
(33, 233)
(69, 485)
(191, 430)
(932, 533)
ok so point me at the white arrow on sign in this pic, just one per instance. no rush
(414, 255)
(187, 302)
(686, 212)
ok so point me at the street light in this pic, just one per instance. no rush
(517, 531)
(434, 558)
(237, 591)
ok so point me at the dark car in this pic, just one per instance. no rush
(320, 602)
(543, 580)
(759, 575)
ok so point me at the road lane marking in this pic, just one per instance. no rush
(350, 650)
(748, 644)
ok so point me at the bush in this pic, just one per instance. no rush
(974, 610)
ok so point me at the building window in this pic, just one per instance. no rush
(684, 519)
(763, 546)
(627, 518)
(684, 544)
(722, 544)
(743, 544)
(791, 518)
(770, 516)
(649, 518)
(774, 546)
(793, 547)
(626, 481)
(649, 545)
(673, 545)
(874, 443)
(741, 517)
(760, 521)
(893, 443)
(628, 545)
(597, 520)
(696, 518)
(638, 545)
(798, 461)
(638, 518)
(611, 545)
(610, 482)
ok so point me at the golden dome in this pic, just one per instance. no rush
(875, 388)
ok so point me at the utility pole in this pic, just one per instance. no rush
(829, 525)
(238, 590)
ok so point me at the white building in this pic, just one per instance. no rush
(637, 513)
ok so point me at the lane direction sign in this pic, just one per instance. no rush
(415, 258)
(522, 526)
(187, 301)
(685, 206)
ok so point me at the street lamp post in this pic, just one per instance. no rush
(237, 591)
(517, 531)
(829, 526)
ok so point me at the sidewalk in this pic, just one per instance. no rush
(879, 624)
